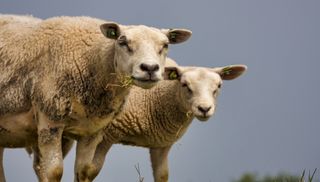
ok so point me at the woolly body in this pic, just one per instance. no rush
(150, 118)
(158, 117)
(67, 76)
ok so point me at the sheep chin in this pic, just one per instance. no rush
(203, 118)
(145, 84)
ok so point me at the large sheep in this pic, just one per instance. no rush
(71, 79)
(158, 117)
(24, 131)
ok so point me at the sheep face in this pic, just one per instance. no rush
(140, 51)
(198, 91)
(199, 87)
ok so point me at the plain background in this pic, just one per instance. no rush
(267, 121)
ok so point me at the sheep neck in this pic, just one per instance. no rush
(173, 113)
(108, 90)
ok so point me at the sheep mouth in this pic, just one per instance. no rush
(145, 83)
(203, 118)
(146, 80)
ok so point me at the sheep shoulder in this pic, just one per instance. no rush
(16, 62)
(59, 61)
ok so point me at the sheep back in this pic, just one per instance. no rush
(56, 63)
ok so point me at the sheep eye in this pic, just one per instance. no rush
(188, 88)
(123, 42)
(215, 92)
(219, 86)
(165, 46)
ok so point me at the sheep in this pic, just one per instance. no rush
(158, 117)
(71, 76)
(24, 131)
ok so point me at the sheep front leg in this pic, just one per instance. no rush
(159, 161)
(100, 154)
(49, 146)
(2, 177)
(85, 169)
(36, 161)
(66, 147)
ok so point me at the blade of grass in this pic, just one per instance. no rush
(311, 177)
(302, 176)
(137, 167)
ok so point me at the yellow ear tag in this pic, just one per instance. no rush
(226, 71)
(173, 36)
(189, 114)
(173, 75)
(112, 33)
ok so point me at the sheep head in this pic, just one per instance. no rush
(199, 87)
(140, 51)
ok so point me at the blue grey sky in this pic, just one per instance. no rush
(267, 121)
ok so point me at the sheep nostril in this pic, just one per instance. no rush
(155, 67)
(204, 110)
(149, 68)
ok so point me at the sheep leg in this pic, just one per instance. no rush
(90, 170)
(100, 154)
(49, 145)
(66, 146)
(36, 160)
(2, 177)
(85, 170)
(159, 161)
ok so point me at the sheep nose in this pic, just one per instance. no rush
(204, 110)
(149, 68)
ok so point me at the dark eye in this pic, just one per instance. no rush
(215, 92)
(123, 42)
(165, 46)
(187, 87)
(219, 86)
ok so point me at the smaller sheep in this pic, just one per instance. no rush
(157, 118)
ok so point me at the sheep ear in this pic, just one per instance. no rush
(171, 73)
(110, 30)
(176, 36)
(230, 72)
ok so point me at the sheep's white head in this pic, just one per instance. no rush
(140, 51)
(199, 87)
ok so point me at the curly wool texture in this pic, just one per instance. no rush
(150, 118)
(54, 63)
